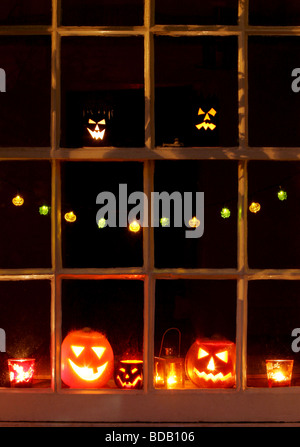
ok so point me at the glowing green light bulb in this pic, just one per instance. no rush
(44, 210)
(101, 223)
(282, 195)
(225, 212)
(165, 221)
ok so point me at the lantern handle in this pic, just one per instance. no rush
(179, 339)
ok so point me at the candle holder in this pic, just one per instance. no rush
(169, 368)
(21, 372)
(279, 372)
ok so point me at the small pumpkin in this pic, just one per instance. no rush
(129, 373)
(87, 359)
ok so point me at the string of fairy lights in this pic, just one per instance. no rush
(134, 226)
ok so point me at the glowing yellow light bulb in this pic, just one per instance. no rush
(70, 216)
(134, 226)
(254, 207)
(18, 200)
(101, 223)
(194, 222)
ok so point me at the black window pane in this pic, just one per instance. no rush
(25, 12)
(200, 310)
(25, 240)
(25, 318)
(273, 105)
(113, 308)
(25, 105)
(102, 96)
(273, 240)
(103, 12)
(217, 247)
(193, 12)
(273, 309)
(274, 12)
(196, 91)
(85, 242)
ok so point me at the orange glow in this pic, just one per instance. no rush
(210, 376)
(86, 373)
(18, 200)
(134, 226)
(254, 207)
(70, 216)
(194, 222)
(206, 125)
(21, 371)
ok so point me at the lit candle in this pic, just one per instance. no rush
(21, 372)
(279, 372)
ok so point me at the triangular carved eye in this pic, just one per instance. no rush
(212, 112)
(77, 350)
(202, 353)
(200, 111)
(91, 121)
(134, 370)
(98, 351)
(102, 121)
(223, 356)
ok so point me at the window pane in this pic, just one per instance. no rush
(113, 308)
(196, 91)
(25, 318)
(101, 92)
(193, 12)
(273, 240)
(217, 247)
(203, 311)
(25, 240)
(87, 243)
(273, 105)
(25, 106)
(274, 12)
(273, 309)
(103, 12)
(25, 12)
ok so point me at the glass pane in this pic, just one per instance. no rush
(25, 218)
(217, 247)
(203, 313)
(273, 240)
(25, 12)
(273, 309)
(193, 12)
(102, 324)
(196, 91)
(25, 320)
(102, 92)
(91, 240)
(273, 105)
(25, 105)
(274, 12)
(102, 12)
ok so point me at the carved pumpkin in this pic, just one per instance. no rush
(206, 123)
(211, 364)
(87, 359)
(129, 374)
(97, 123)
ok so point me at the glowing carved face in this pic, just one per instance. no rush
(206, 123)
(87, 359)
(129, 374)
(211, 364)
(96, 129)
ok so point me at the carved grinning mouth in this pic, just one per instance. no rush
(213, 377)
(129, 384)
(86, 373)
(206, 126)
(97, 134)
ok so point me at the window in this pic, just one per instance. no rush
(105, 103)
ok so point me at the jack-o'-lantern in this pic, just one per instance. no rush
(87, 359)
(97, 123)
(206, 123)
(129, 373)
(211, 364)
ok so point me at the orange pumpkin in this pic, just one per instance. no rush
(211, 364)
(87, 359)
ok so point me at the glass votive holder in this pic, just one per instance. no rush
(21, 372)
(279, 372)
